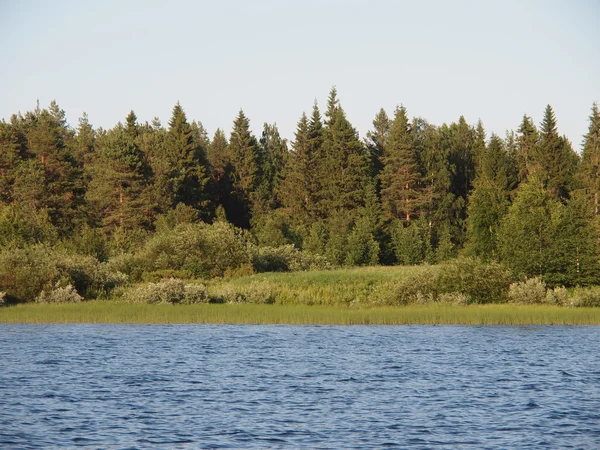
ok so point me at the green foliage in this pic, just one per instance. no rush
(530, 291)
(58, 294)
(286, 258)
(363, 248)
(201, 249)
(26, 272)
(169, 291)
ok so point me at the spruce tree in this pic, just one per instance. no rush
(376, 141)
(345, 172)
(527, 139)
(489, 200)
(245, 159)
(554, 157)
(400, 178)
(590, 164)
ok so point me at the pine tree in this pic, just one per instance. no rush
(118, 180)
(400, 177)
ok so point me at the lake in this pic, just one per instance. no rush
(230, 386)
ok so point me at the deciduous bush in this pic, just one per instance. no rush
(201, 249)
(170, 291)
(530, 291)
(59, 294)
(286, 258)
(585, 297)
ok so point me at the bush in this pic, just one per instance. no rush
(286, 258)
(557, 296)
(255, 292)
(171, 291)
(482, 282)
(2, 298)
(531, 291)
(195, 293)
(455, 298)
(66, 294)
(585, 297)
(25, 272)
(202, 250)
(476, 281)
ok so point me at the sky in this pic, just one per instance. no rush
(488, 60)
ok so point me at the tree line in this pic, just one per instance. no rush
(410, 192)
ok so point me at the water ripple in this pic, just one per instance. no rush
(203, 386)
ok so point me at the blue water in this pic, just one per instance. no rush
(198, 386)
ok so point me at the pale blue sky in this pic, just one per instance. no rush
(494, 60)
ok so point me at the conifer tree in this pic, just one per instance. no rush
(118, 179)
(526, 144)
(376, 141)
(554, 157)
(489, 200)
(219, 159)
(245, 161)
(344, 173)
(400, 177)
(272, 156)
(590, 164)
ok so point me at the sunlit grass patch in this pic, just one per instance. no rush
(116, 312)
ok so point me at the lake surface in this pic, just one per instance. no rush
(222, 386)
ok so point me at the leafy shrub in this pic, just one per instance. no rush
(557, 296)
(66, 294)
(25, 272)
(419, 285)
(482, 282)
(202, 250)
(477, 281)
(455, 298)
(286, 258)
(195, 293)
(165, 274)
(585, 297)
(166, 291)
(254, 292)
(171, 291)
(530, 291)
(2, 298)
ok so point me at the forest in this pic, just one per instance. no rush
(95, 208)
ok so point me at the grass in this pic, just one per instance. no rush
(116, 312)
(338, 297)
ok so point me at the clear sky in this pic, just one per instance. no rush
(494, 60)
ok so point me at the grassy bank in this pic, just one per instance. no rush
(116, 312)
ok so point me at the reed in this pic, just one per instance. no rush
(435, 314)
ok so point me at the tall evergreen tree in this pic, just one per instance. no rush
(400, 177)
(554, 157)
(344, 174)
(489, 200)
(272, 156)
(376, 140)
(527, 139)
(245, 159)
(118, 177)
(590, 164)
